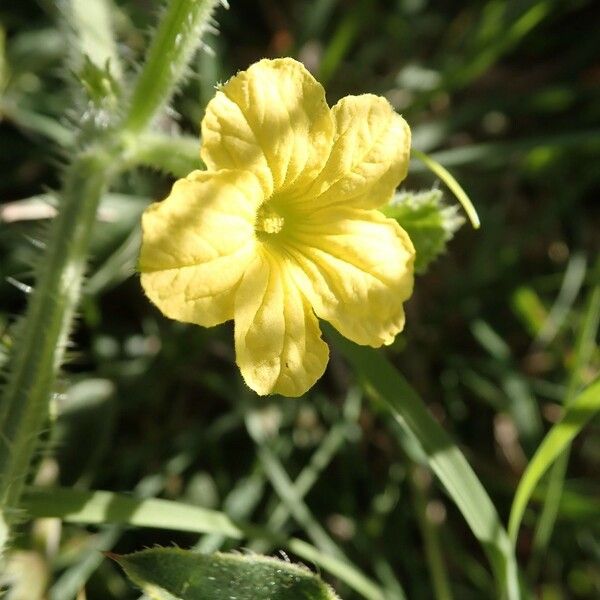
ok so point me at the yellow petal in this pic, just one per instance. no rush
(369, 157)
(356, 268)
(197, 243)
(278, 343)
(272, 119)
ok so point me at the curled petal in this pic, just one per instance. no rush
(197, 243)
(271, 119)
(369, 158)
(278, 342)
(356, 268)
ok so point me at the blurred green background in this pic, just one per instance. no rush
(507, 96)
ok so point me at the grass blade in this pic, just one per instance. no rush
(585, 347)
(445, 459)
(558, 438)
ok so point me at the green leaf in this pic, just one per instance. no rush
(385, 384)
(429, 223)
(174, 574)
(78, 506)
(583, 408)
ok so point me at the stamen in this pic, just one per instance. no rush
(268, 220)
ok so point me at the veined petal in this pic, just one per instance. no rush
(356, 268)
(369, 158)
(197, 244)
(272, 119)
(278, 342)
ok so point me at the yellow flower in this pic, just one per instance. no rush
(282, 227)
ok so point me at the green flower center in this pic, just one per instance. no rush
(268, 220)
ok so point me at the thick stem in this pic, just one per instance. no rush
(39, 347)
(46, 324)
(173, 45)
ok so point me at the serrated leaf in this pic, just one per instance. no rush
(175, 574)
(428, 221)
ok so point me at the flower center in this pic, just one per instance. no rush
(268, 220)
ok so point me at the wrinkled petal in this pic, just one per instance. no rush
(369, 158)
(278, 343)
(273, 120)
(356, 268)
(197, 243)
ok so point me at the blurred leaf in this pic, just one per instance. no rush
(174, 574)
(528, 306)
(84, 427)
(584, 350)
(497, 37)
(521, 403)
(572, 282)
(3, 61)
(583, 408)
(429, 223)
(91, 21)
(101, 87)
(106, 507)
(340, 42)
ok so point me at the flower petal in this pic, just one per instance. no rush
(356, 268)
(272, 119)
(278, 342)
(369, 157)
(197, 244)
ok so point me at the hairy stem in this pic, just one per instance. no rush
(47, 322)
(39, 349)
(173, 45)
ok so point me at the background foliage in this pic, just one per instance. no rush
(504, 94)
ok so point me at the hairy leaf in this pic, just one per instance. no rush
(174, 574)
(427, 220)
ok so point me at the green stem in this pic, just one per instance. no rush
(173, 45)
(47, 322)
(40, 345)
(453, 185)
(175, 155)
